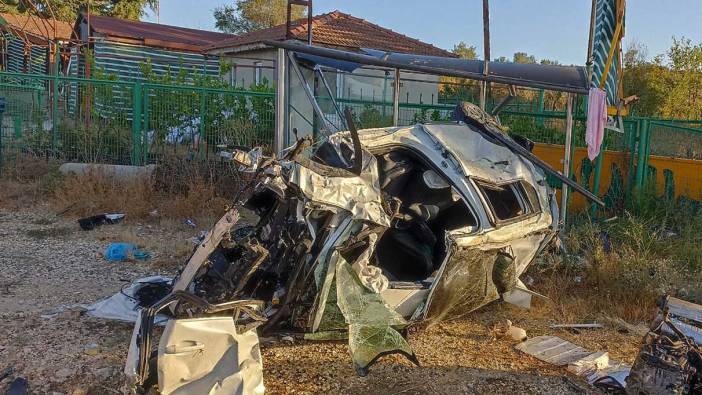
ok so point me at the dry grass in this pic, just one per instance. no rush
(177, 190)
(617, 270)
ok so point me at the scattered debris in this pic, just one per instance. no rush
(596, 367)
(670, 360)
(90, 223)
(577, 326)
(504, 328)
(127, 304)
(120, 252)
(190, 223)
(18, 386)
(91, 349)
(7, 372)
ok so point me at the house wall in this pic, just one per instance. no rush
(13, 58)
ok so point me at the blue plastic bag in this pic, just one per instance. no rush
(119, 252)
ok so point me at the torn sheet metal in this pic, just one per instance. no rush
(125, 305)
(208, 356)
(358, 195)
(595, 367)
(670, 359)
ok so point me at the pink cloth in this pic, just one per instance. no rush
(596, 121)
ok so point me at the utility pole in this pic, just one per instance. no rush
(486, 47)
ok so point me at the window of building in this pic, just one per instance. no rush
(232, 75)
(258, 71)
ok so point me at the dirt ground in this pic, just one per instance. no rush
(48, 263)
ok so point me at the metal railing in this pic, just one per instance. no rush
(104, 121)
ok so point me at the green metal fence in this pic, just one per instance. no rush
(102, 121)
(118, 122)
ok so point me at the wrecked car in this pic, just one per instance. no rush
(358, 237)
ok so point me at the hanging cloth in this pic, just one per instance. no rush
(596, 121)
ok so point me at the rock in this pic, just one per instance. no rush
(63, 373)
(288, 339)
(91, 349)
(104, 374)
(516, 333)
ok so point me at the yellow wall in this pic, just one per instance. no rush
(687, 173)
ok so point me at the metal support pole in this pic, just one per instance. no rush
(644, 149)
(203, 121)
(396, 99)
(598, 174)
(486, 48)
(54, 99)
(308, 92)
(566, 158)
(280, 107)
(320, 74)
(136, 123)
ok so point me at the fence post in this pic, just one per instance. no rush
(598, 175)
(2, 110)
(136, 123)
(54, 99)
(145, 131)
(203, 118)
(642, 158)
(631, 145)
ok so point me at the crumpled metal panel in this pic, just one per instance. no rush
(358, 195)
(208, 356)
(463, 285)
(371, 321)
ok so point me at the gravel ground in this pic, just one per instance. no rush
(48, 262)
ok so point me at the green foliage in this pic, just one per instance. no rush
(523, 57)
(68, 10)
(669, 86)
(465, 51)
(249, 15)
(371, 117)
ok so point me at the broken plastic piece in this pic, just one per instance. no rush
(119, 252)
(90, 223)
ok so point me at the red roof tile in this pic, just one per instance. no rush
(338, 29)
(154, 34)
(41, 28)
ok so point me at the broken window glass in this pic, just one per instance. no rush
(509, 201)
(372, 323)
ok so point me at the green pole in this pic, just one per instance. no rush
(385, 91)
(203, 118)
(598, 174)
(540, 120)
(54, 101)
(631, 144)
(136, 122)
(641, 159)
(2, 110)
(145, 137)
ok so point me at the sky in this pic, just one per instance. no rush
(552, 29)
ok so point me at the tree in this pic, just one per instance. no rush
(250, 15)
(465, 51)
(502, 59)
(67, 10)
(550, 62)
(455, 89)
(523, 57)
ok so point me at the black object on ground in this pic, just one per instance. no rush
(90, 223)
(18, 386)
